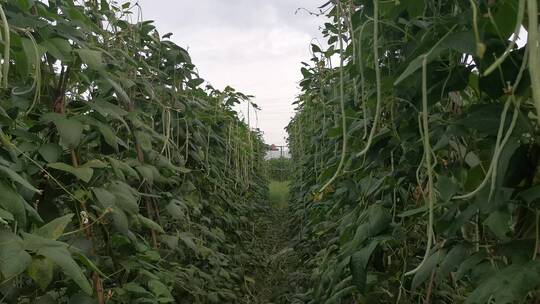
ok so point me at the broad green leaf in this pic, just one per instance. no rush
(81, 299)
(58, 47)
(30, 54)
(462, 42)
(195, 82)
(57, 252)
(187, 238)
(86, 261)
(499, 223)
(425, 271)
(70, 130)
(124, 167)
(93, 59)
(83, 173)
(376, 220)
(531, 195)
(108, 109)
(41, 270)
(50, 152)
(148, 223)
(104, 197)
(452, 261)
(146, 172)
(508, 285)
(118, 88)
(170, 240)
(95, 163)
(160, 291)
(144, 139)
(175, 210)
(13, 203)
(133, 287)
(446, 188)
(14, 176)
(54, 229)
(46, 299)
(24, 5)
(125, 197)
(414, 211)
(358, 264)
(109, 136)
(6, 216)
(13, 258)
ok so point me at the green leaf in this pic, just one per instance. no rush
(462, 42)
(446, 188)
(118, 88)
(109, 136)
(505, 18)
(24, 5)
(104, 197)
(41, 270)
(13, 203)
(170, 240)
(144, 139)
(133, 287)
(315, 48)
(57, 252)
(83, 173)
(14, 176)
(50, 152)
(125, 197)
(508, 285)
(531, 195)
(451, 261)
(499, 223)
(81, 299)
(54, 229)
(86, 261)
(70, 131)
(160, 291)
(13, 258)
(358, 264)
(195, 82)
(414, 211)
(108, 109)
(187, 238)
(93, 59)
(95, 163)
(148, 223)
(30, 54)
(175, 210)
(146, 172)
(411, 68)
(425, 271)
(376, 220)
(58, 47)
(5, 215)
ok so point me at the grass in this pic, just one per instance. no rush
(279, 194)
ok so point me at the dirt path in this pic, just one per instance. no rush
(276, 256)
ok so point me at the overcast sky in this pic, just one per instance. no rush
(255, 46)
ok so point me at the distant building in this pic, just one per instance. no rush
(275, 151)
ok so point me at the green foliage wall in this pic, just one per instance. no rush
(279, 169)
(122, 180)
(416, 154)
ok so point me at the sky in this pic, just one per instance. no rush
(255, 46)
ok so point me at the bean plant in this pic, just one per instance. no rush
(122, 178)
(415, 149)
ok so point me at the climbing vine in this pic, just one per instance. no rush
(123, 179)
(428, 190)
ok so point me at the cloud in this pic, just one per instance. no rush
(255, 46)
